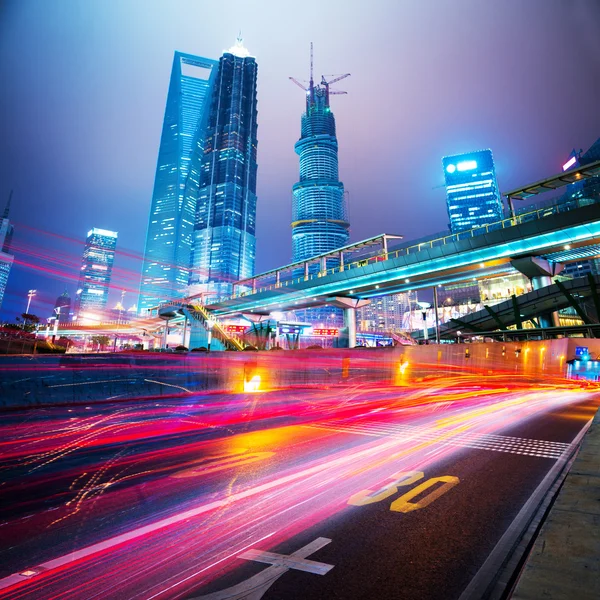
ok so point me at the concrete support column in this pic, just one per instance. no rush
(349, 305)
(350, 322)
(437, 318)
(277, 278)
(165, 334)
(323, 264)
(305, 271)
(540, 273)
(185, 338)
(341, 261)
(541, 281)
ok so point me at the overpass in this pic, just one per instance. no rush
(558, 233)
(348, 279)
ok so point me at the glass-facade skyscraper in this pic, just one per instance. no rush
(224, 241)
(6, 259)
(320, 222)
(472, 194)
(96, 270)
(165, 270)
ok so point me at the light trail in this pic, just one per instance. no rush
(200, 523)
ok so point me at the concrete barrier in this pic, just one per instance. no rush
(27, 380)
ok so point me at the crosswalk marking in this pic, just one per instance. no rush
(492, 442)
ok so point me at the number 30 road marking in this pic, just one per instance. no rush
(404, 504)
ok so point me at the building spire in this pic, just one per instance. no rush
(7, 209)
(238, 48)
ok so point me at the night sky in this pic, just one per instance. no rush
(84, 84)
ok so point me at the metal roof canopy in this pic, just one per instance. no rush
(381, 238)
(554, 182)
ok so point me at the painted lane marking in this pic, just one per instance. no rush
(283, 560)
(194, 512)
(494, 443)
(255, 587)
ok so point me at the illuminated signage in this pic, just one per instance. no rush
(235, 328)
(467, 165)
(326, 332)
(569, 163)
(451, 168)
(291, 329)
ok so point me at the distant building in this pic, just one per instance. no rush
(386, 313)
(582, 193)
(96, 270)
(165, 270)
(62, 306)
(459, 293)
(224, 237)
(472, 194)
(6, 259)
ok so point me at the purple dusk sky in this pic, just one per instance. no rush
(84, 84)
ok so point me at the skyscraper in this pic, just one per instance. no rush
(96, 270)
(165, 271)
(62, 306)
(472, 194)
(224, 245)
(6, 259)
(320, 222)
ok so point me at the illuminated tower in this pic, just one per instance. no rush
(224, 239)
(320, 222)
(165, 271)
(6, 259)
(96, 270)
(472, 194)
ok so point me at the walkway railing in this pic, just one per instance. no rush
(218, 330)
(527, 217)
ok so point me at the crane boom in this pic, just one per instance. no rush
(300, 85)
(339, 78)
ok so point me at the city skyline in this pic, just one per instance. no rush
(381, 197)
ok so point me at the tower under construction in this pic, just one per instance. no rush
(320, 221)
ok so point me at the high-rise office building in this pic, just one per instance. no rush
(472, 194)
(224, 240)
(165, 270)
(62, 306)
(96, 270)
(320, 221)
(6, 259)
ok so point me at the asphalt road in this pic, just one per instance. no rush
(365, 492)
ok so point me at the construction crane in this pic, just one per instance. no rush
(310, 89)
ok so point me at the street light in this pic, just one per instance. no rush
(30, 295)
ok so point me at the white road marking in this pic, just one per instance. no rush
(255, 587)
(495, 443)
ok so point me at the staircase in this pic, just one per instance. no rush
(202, 315)
(401, 339)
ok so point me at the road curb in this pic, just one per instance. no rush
(564, 562)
